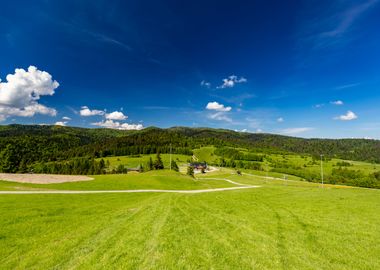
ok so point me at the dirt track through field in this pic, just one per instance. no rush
(42, 178)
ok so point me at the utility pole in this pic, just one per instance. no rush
(322, 169)
(170, 166)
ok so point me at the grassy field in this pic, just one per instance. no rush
(206, 154)
(306, 162)
(300, 162)
(281, 225)
(150, 180)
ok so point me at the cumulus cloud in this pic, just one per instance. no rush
(205, 84)
(280, 120)
(337, 102)
(116, 116)
(347, 117)
(231, 81)
(220, 116)
(118, 125)
(20, 93)
(296, 131)
(61, 123)
(217, 107)
(85, 111)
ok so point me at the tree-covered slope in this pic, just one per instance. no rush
(28, 144)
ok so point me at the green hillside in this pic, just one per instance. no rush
(69, 150)
(280, 225)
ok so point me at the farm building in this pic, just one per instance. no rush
(198, 165)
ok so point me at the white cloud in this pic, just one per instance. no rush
(347, 117)
(116, 116)
(217, 107)
(117, 125)
(337, 102)
(280, 120)
(231, 81)
(61, 123)
(220, 116)
(85, 111)
(318, 106)
(244, 130)
(295, 131)
(205, 84)
(20, 93)
(66, 118)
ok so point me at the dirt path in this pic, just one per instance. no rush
(225, 179)
(42, 178)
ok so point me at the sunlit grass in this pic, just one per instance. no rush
(282, 225)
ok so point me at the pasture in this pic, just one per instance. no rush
(301, 162)
(281, 225)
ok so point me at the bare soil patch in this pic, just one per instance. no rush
(42, 178)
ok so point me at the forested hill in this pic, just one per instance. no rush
(34, 143)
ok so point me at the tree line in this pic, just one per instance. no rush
(22, 146)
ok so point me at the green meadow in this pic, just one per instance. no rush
(280, 225)
(162, 179)
(290, 166)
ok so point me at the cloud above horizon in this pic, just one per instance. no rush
(61, 123)
(349, 116)
(86, 111)
(118, 125)
(20, 94)
(116, 116)
(218, 107)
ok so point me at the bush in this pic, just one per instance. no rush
(190, 171)
(174, 166)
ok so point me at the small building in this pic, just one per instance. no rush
(138, 169)
(198, 165)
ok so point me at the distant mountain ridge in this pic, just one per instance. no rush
(49, 143)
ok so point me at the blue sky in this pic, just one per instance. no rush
(300, 68)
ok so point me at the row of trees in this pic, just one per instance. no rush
(89, 166)
(242, 164)
(85, 166)
(158, 164)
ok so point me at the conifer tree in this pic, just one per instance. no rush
(190, 171)
(174, 166)
(158, 165)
